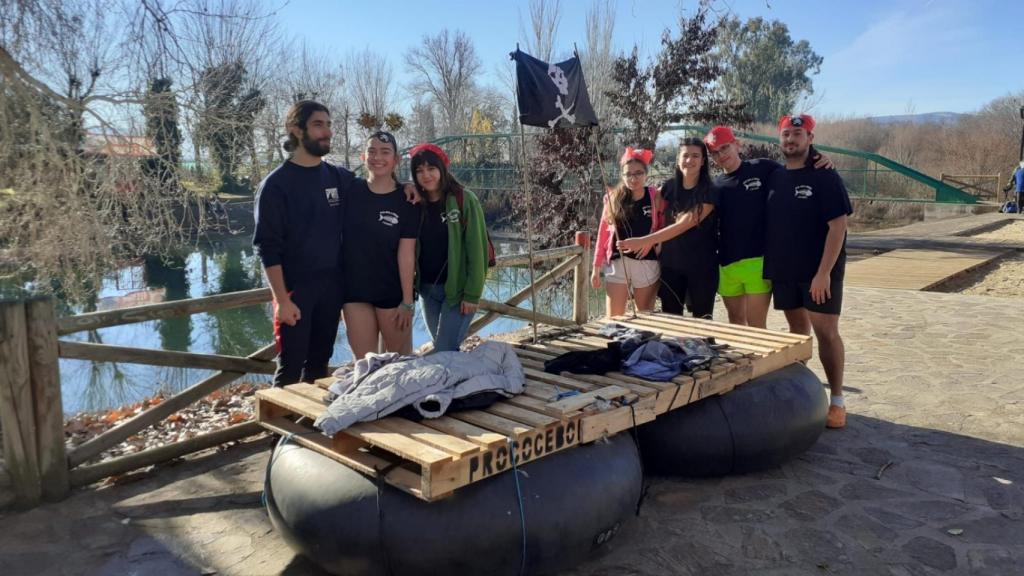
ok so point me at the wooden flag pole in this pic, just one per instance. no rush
(622, 258)
(529, 229)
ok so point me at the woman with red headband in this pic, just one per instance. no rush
(453, 250)
(689, 261)
(630, 209)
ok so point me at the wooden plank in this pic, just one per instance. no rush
(560, 381)
(16, 413)
(581, 281)
(44, 373)
(492, 422)
(611, 422)
(472, 433)
(511, 260)
(442, 441)
(536, 404)
(580, 401)
(519, 297)
(156, 413)
(151, 357)
(711, 327)
(522, 313)
(162, 311)
(84, 475)
(519, 414)
(370, 432)
(364, 462)
(637, 385)
(912, 269)
(524, 447)
(293, 401)
(740, 342)
(766, 332)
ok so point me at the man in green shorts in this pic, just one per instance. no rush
(741, 227)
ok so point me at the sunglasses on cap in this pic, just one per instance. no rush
(385, 137)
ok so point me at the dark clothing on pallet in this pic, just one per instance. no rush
(585, 362)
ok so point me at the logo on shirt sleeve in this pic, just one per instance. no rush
(752, 184)
(387, 217)
(803, 192)
(332, 196)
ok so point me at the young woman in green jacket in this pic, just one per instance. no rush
(452, 252)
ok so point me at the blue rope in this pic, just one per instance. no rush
(519, 499)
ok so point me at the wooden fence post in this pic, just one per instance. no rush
(581, 282)
(44, 370)
(17, 416)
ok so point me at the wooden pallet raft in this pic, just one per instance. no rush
(431, 458)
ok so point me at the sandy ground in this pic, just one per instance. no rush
(1002, 278)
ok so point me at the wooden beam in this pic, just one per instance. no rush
(507, 310)
(581, 282)
(109, 353)
(538, 256)
(156, 413)
(46, 395)
(524, 294)
(17, 417)
(162, 311)
(84, 475)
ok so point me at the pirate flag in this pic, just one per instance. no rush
(552, 95)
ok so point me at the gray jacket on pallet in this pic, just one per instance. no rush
(379, 386)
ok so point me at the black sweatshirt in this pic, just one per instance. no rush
(299, 219)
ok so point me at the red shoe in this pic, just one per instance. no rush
(836, 416)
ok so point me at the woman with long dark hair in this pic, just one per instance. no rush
(379, 248)
(689, 260)
(452, 252)
(630, 209)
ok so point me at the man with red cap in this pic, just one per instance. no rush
(805, 251)
(743, 187)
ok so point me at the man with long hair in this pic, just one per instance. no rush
(298, 239)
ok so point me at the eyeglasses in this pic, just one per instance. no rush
(634, 174)
(721, 150)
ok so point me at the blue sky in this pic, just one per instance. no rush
(880, 57)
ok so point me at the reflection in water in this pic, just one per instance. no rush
(227, 266)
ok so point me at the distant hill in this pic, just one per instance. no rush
(926, 118)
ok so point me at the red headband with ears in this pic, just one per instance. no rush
(638, 154)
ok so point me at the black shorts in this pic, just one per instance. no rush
(382, 303)
(794, 295)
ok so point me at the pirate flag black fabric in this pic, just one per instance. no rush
(552, 95)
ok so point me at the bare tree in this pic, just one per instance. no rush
(370, 84)
(598, 57)
(445, 67)
(302, 71)
(544, 18)
(79, 81)
(228, 46)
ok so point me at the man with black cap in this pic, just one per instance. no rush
(805, 251)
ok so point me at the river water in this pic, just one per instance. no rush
(215, 268)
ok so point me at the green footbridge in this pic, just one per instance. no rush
(491, 162)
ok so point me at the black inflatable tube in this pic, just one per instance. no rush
(573, 503)
(756, 426)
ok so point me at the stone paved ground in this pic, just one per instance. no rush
(934, 392)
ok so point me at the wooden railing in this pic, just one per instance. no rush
(981, 186)
(31, 411)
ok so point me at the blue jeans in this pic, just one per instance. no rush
(446, 324)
